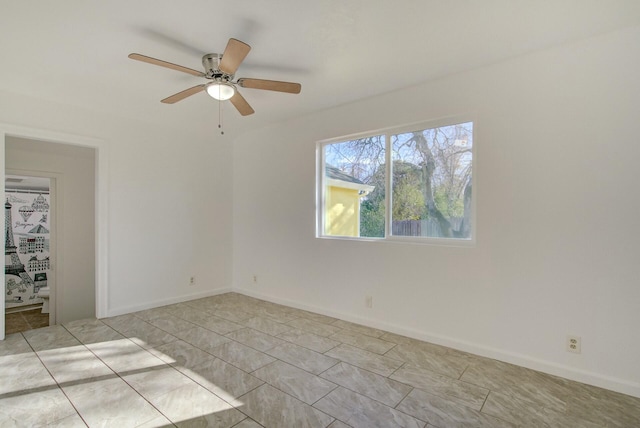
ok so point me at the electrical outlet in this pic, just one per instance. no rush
(255, 278)
(368, 301)
(574, 344)
(192, 280)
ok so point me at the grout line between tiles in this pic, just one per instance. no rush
(122, 378)
(54, 379)
(463, 372)
(329, 350)
(390, 349)
(371, 398)
(396, 370)
(333, 389)
(146, 369)
(485, 401)
(405, 396)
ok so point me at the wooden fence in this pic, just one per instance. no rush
(428, 227)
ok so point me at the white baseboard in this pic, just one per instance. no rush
(583, 376)
(112, 312)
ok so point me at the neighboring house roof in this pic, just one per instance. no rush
(335, 173)
(337, 178)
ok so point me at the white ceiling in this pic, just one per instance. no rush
(75, 51)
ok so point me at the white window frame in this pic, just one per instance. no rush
(387, 132)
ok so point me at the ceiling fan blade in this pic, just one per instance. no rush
(241, 104)
(233, 55)
(166, 64)
(270, 85)
(183, 94)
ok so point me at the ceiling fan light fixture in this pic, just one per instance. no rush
(220, 70)
(221, 91)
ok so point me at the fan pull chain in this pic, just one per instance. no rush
(220, 118)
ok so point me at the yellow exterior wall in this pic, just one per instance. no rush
(342, 216)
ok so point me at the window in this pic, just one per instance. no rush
(428, 170)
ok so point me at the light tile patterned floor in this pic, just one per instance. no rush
(235, 361)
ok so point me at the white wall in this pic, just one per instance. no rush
(557, 216)
(169, 201)
(74, 204)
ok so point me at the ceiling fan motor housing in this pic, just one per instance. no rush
(211, 64)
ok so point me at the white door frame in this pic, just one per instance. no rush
(101, 201)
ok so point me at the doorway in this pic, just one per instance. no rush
(29, 252)
(100, 180)
(73, 168)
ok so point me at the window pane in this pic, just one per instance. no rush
(354, 179)
(431, 182)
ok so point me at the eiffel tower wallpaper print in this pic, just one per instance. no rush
(26, 247)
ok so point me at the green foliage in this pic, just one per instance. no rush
(447, 204)
(372, 219)
(408, 198)
(408, 192)
(372, 210)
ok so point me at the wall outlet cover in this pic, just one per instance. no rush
(574, 344)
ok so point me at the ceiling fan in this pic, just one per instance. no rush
(220, 70)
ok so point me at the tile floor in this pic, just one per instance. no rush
(16, 322)
(235, 361)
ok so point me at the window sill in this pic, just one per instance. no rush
(438, 242)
